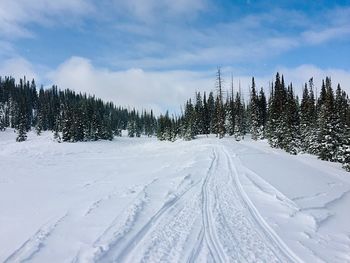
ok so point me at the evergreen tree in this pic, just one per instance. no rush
(199, 113)
(22, 127)
(231, 112)
(131, 128)
(291, 130)
(239, 122)
(262, 105)
(212, 113)
(326, 137)
(220, 112)
(277, 117)
(254, 112)
(188, 128)
(206, 115)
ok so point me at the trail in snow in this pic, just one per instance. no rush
(215, 248)
(212, 219)
(32, 246)
(199, 201)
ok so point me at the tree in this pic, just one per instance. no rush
(211, 113)
(206, 115)
(22, 131)
(326, 136)
(231, 112)
(239, 122)
(188, 127)
(262, 105)
(291, 130)
(277, 118)
(254, 112)
(220, 112)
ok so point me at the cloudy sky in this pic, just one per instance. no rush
(157, 53)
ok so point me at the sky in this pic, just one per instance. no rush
(157, 53)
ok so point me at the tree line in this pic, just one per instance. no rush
(71, 116)
(316, 125)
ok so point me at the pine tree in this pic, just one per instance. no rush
(342, 130)
(239, 122)
(305, 120)
(206, 116)
(291, 131)
(2, 116)
(188, 130)
(22, 129)
(231, 112)
(326, 137)
(277, 118)
(131, 128)
(67, 129)
(211, 113)
(262, 105)
(199, 123)
(220, 112)
(254, 112)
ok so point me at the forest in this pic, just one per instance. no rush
(317, 124)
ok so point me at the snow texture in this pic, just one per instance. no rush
(142, 200)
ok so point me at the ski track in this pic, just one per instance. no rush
(117, 230)
(117, 251)
(212, 241)
(34, 244)
(215, 212)
(280, 249)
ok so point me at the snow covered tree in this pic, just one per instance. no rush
(291, 130)
(254, 112)
(326, 136)
(2, 117)
(206, 115)
(22, 127)
(277, 119)
(262, 105)
(198, 118)
(230, 112)
(131, 128)
(239, 122)
(188, 127)
(211, 113)
(220, 111)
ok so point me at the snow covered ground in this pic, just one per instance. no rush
(141, 200)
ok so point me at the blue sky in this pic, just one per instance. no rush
(153, 53)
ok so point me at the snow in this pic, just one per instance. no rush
(142, 200)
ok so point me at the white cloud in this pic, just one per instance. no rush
(163, 90)
(301, 75)
(152, 10)
(160, 90)
(133, 87)
(18, 68)
(249, 38)
(15, 15)
(327, 34)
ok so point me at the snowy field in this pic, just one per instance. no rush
(141, 200)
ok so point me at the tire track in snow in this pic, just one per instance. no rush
(260, 223)
(34, 244)
(197, 247)
(214, 245)
(117, 251)
(117, 230)
(167, 239)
